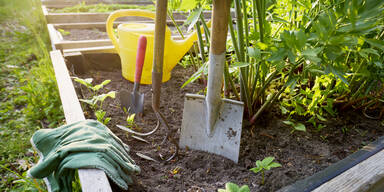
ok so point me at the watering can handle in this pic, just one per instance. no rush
(124, 13)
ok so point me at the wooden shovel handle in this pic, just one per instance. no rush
(140, 58)
(219, 26)
(160, 24)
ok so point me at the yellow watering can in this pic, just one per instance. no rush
(126, 45)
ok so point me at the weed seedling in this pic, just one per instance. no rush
(295, 126)
(64, 32)
(96, 102)
(232, 187)
(266, 164)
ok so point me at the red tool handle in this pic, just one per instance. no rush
(140, 58)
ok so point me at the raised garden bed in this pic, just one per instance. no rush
(301, 154)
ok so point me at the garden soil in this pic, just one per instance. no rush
(301, 154)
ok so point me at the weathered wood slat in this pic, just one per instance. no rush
(102, 17)
(54, 36)
(82, 44)
(91, 179)
(102, 49)
(90, 25)
(67, 3)
(361, 177)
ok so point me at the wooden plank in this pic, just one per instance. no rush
(359, 178)
(103, 49)
(82, 44)
(67, 3)
(102, 17)
(63, 45)
(54, 36)
(91, 179)
(90, 25)
(44, 9)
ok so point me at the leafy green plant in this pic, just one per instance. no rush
(264, 165)
(232, 187)
(29, 99)
(96, 101)
(25, 183)
(295, 125)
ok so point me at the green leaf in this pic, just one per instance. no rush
(288, 122)
(256, 169)
(296, 126)
(301, 39)
(376, 43)
(337, 72)
(261, 45)
(188, 5)
(87, 101)
(321, 118)
(87, 82)
(102, 97)
(193, 18)
(283, 110)
(239, 64)
(274, 164)
(266, 161)
(231, 187)
(101, 85)
(202, 70)
(258, 163)
(254, 52)
(100, 115)
(300, 127)
(244, 188)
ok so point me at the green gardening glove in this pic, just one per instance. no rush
(84, 144)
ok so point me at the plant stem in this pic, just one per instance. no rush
(192, 58)
(262, 177)
(200, 42)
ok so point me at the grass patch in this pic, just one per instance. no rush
(29, 99)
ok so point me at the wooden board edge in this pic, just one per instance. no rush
(323, 177)
(90, 179)
(359, 178)
(54, 36)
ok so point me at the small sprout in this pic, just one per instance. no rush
(96, 102)
(232, 187)
(296, 126)
(100, 114)
(131, 120)
(64, 32)
(176, 170)
(266, 164)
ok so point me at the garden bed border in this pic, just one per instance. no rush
(91, 179)
(361, 171)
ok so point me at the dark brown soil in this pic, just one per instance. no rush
(301, 153)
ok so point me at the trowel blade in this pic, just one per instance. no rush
(132, 101)
(227, 132)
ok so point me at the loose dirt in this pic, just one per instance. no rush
(301, 153)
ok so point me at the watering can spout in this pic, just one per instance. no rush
(183, 46)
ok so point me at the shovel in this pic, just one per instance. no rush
(134, 101)
(210, 123)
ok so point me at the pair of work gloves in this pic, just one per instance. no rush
(84, 144)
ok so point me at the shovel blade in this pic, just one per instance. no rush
(225, 140)
(132, 101)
